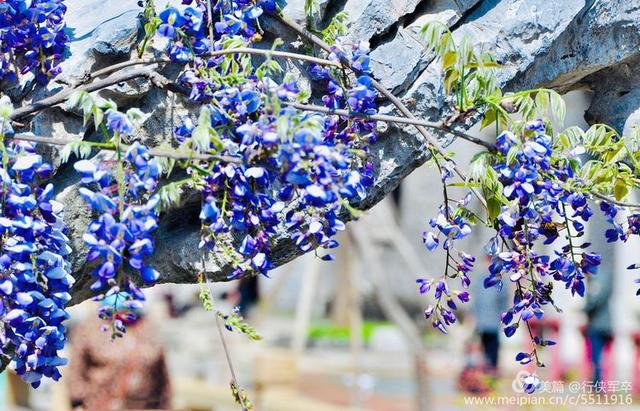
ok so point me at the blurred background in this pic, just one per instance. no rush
(348, 334)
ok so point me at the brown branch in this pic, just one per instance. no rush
(614, 201)
(241, 50)
(386, 93)
(63, 95)
(399, 120)
(156, 152)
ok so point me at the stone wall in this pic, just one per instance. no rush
(570, 44)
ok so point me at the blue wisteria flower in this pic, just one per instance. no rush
(35, 279)
(450, 224)
(32, 38)
(120, 238)
(316, 164)
(540, 209)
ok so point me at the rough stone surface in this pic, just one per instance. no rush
(116, 37)
(100, 31)
(373, 17)
(539, 43)
(616, 94)
(400, 60)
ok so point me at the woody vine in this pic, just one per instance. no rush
(269, 156)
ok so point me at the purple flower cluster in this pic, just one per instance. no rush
(35, 279)
(621, 228)
(187, 30)
(120, 238)
(316, 164)
(302, 169)
(449, 225)
(32, 38)
(540, 210)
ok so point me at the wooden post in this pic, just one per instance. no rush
(304, 307)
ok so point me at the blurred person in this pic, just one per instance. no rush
(599, 329)
(481, 360)
(176, 309)
(249, 294)
(123, 374)
(245, 296)
(599, 288)
(487, 306)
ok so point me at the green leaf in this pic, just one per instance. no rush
(201, 136)
(76, 99)
(494, 206)
(558, 106)
(135, 114)
(450, 58)
(512, 154)
(488, 118)
(542, 103)
(98, 116)
(311, 8)
(451, 79)
(620, 189)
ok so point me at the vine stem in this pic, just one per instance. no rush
(234, 378)
(229, 363)
(116, 78)
(569, 236)
(62, 95)
(390, 96)
(5, 160)
(217, 53)
(533, 288)
(398, 120)
(210, 17)
(156, 152)
(614, 201)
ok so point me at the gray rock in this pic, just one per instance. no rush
(373, 17)
(56, 123)
(603, 34)
(539, 43)
(295, 10)
(97, 26)
(116, 37)
(398, 62)
(616, 94)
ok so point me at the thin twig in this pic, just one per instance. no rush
(240, 50)
(155, 152)
(234, 378)
(62, 96)
(210, 18)
(386, 93)
(399, 120)
(614, 201)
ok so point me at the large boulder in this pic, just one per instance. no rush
(537, 41)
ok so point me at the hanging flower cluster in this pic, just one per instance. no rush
(622, 228)
(186, 31)
(541, 209)
(451, 224)
(121, 193)
(315, 162)
(32, 38)
(35, 278)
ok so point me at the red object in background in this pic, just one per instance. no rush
(636, 369)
